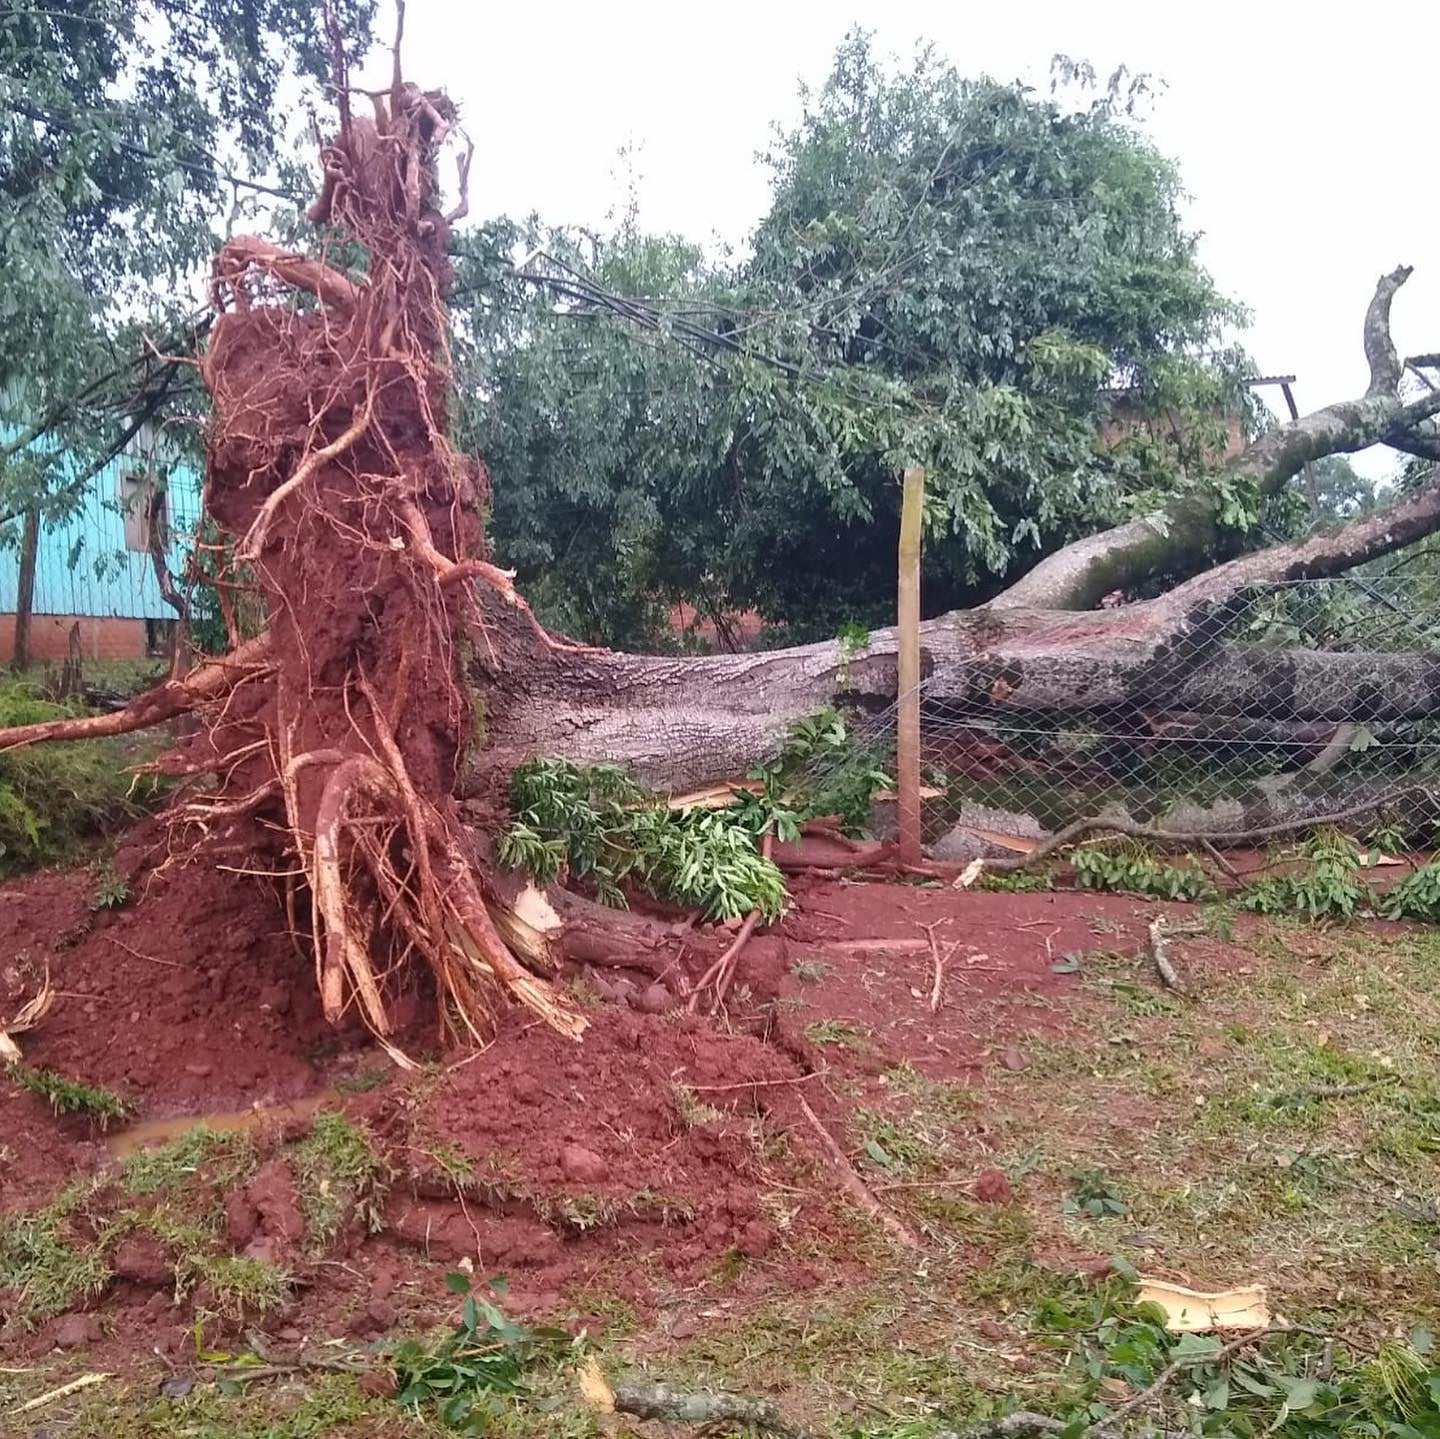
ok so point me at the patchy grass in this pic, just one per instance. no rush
(837, 1031)
(338, 1172)
(101, 1106)
(55, 799)
(233, 1287)
(43, 1265)
(225, 1157)
(303, 1408)
(1281, 1128)
(691, 1110)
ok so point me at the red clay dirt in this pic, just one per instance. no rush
(629, 1164)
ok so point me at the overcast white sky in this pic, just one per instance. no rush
(1302, 141)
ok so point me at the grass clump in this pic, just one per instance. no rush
(239, 1288)
(46, 1272)
(227, 1157)
(56, 798)
(338, 1173)
(71, 1096)
(837, 1031)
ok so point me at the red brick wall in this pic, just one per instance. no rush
(100, 639)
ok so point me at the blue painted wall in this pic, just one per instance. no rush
(83, 567)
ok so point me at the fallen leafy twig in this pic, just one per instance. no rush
(1100, 824)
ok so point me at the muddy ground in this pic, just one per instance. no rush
(659, 1187)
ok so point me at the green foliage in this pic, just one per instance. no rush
(40, 1264)
(1326, 885)
(481, 1360)
(823, 769)
(338, 1173)
(54, 798)
(1417, 896)
(1020, 881)
(71, 1096)
(952, 271)
(111, 888)
(118, 124)
(596, 823)
(1093, 1195)
(1290, 1384)
(602, 827)
(1133, 867)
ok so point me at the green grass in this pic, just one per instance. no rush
(338, 1173)
(837, 1031)
(41, 1263)
(306, 1408)
(226, 1158)
(234, 1287)
(1212, 1120)
(56, 799)
(70, 1096)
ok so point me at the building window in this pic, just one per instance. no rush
(145, 509)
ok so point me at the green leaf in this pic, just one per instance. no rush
(1299, 1393)
(873, 1149)
(457, 1283)
(1196, 1346)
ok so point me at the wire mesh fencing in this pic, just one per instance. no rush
(1291, 702)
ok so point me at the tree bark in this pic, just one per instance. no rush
(681, 722)
(25, 590)
(1185, 535)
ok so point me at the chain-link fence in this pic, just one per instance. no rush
(1290, 701)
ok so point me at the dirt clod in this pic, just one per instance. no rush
(378, 1316)
(992, 1187)
(75, 1331)
(583, 1166)
(378, 1384)
(654, 1000)
(141, 1259)
(756, 1239)
(276, 1201)
(242, 1218)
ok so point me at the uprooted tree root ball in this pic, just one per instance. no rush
(328, 750)
(329, 464)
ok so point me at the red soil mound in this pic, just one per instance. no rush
(630, 1163)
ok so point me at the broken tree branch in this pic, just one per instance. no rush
(854, 1185)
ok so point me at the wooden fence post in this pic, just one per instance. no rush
(907, 738)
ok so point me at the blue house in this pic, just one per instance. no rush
(94, 576)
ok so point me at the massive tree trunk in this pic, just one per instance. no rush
(356, 744)
(680, 722)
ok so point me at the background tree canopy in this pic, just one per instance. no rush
(953, 272)
(129, 131)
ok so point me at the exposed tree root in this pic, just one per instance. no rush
(211, 682)
(853, 1185)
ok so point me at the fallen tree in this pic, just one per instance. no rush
(353, 750)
